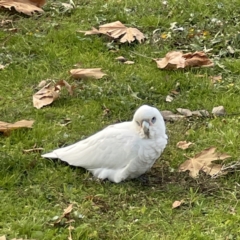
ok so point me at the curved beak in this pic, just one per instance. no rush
(145, 127)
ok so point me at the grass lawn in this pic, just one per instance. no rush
(34, 191)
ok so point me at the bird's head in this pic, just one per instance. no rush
(149, 121)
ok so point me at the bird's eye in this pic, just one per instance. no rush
(154, 119)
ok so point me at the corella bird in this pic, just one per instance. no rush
(121, 151)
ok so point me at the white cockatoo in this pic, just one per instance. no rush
(121, 151)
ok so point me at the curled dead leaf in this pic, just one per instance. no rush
(50, 93)
(169, 98)
(204, 161)
(219, 111)
(121, 59)
(87, 72)
(129, 62)
(197, 59)
(45, 96)
(177, 204)
(117, 30)
(176, 60)
(6, 127)
(170, 116)
(184, 144)
(185, 112)
(28, 7)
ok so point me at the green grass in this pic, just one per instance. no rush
(34, 190)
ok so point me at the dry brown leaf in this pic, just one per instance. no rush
(45, 96)
(170, 116)
(121, 59)
(117, 30)
(203, 161)
(87, 72)
(172, 60)
(177, 204)
(27, 7)
(169, 98)
(131, 35)
(201, 113)
(65, 214)
(63, 83)
(50, 93)
(218, 111)
(184, 144)
(129, 62)
(197, 59)
(185, 112)
(176, 60)
(6, 127)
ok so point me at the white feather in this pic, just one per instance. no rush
(121, 151)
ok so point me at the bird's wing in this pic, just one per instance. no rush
(113, 147)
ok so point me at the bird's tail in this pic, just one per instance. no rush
(50, 155)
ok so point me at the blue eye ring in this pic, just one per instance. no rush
(153, 120)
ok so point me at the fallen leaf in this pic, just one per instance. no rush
(45, 96)
(6, 127)
(203, 161)
(117, 30)
(197, 59)
(169, 98)
(177, 204)
(63, 83)
(201, 113)
(129, 62)
(176, 60)
(184, 144)
(185, 112)
(121, 59)
(87, 72)
(170, 116)
(218, 111)
(50, 93)
(27, 7)
(172, 60)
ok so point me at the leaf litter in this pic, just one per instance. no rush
(87, 73)
(117, 30)
(177, 204)
(28, 7)
(5, 127)
(178, 60)
(184, 144)
(49, 93)
(203, 161)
